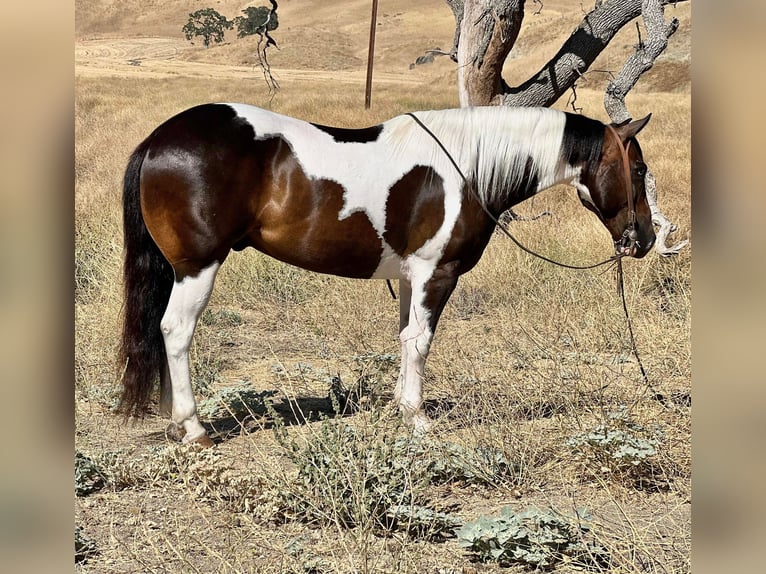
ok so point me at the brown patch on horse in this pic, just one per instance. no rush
(195, 184)
(297, 220)
(470, 236)
(414, 210)
(608, 189)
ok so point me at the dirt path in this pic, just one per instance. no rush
(162, 58)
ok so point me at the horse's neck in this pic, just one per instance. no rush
(521, 156)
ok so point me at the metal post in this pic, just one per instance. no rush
(370, 54)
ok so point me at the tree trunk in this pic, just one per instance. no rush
(488, 31)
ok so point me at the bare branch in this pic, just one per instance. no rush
(261, 49)
(642, 59)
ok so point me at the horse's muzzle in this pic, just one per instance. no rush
(629, 244)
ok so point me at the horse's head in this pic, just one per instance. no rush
(614, 190)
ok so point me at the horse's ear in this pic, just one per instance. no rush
(629, 129)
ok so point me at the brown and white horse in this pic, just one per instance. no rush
(384, 202)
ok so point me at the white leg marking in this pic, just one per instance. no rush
(187, 301)
(416, 342)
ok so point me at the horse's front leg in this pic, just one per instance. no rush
(187, 301)
(427, 302)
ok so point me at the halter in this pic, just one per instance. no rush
(629, 237)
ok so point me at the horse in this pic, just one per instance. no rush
(414, 199)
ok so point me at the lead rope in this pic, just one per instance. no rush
(614, 259)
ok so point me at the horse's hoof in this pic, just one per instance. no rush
(175, 432)
(203, 440)
(421, 423)
(418, 420)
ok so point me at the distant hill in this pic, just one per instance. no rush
(333, 35)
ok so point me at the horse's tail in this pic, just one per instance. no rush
(148, 280)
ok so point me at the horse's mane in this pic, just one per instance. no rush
(505, 150)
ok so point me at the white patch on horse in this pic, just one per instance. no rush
(364, 170)
(572, 176)
(415, 340)
(492, 145)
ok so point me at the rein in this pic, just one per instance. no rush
(629, 237)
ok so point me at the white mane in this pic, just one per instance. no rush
(492, 145)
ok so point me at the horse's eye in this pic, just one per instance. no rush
(641, 170)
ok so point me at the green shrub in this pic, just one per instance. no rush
(238, 401)
(88, 477)
(377, 476)
(619, 445)
(535, 538)
(350, 477)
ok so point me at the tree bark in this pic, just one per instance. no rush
(488, 31)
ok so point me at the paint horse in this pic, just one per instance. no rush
(409, 200)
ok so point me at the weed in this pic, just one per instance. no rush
(535, 538)
(619, 446)
(88, 477)
(205, 373)
(221, 318)
(377, 476)
(373, 372)
(237, 401)
(173, 463)
(350, 477)
(84, 547)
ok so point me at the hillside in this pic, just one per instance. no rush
(333, 36)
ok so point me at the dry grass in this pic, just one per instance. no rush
(526, 356)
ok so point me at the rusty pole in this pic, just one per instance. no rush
(370, 54)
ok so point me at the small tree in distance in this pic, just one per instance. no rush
(256, 20)
(207, 23)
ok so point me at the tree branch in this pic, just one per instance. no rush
(486, 30)
(577, 54)
(646, 52)
(261, 49)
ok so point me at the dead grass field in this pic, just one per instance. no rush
(527, 356)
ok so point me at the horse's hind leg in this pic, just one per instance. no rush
(187, 301)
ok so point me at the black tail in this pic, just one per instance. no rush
(148, 280)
